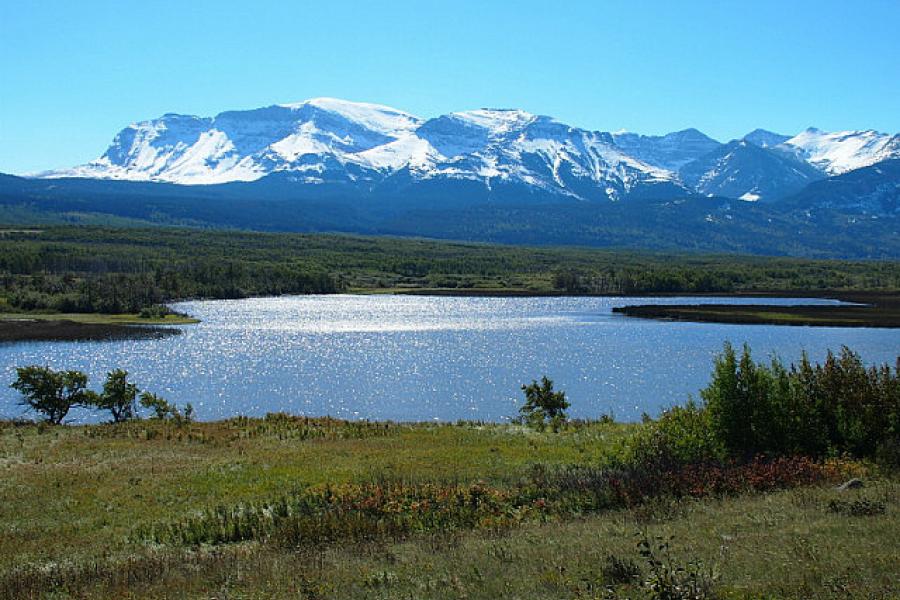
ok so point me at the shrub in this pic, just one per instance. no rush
(156, 311)
(669, 580)
(165, 410)
(834, 408)
(617, 571)
(887, 454)
(55, 393)
(857, 508)
(682, 435)
(161, 408)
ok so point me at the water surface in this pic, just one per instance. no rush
(427, 357)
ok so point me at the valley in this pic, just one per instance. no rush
(450, 301)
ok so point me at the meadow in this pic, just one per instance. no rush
(322, 508)
(78, 503)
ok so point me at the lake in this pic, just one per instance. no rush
(429, 358)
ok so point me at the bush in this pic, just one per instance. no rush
(682, 435)
(669, 580)
(156, 311)
(54, 394)
(835, 408)
(165, 410)
(618, 571)
(857, 508)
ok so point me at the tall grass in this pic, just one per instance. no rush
(394, 510)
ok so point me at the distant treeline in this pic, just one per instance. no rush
(95, 269)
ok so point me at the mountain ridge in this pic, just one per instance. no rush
(497, 175)
(366, 147)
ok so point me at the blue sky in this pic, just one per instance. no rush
(72, 74)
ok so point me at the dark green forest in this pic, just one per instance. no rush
(112, 270)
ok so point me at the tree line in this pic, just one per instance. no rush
(96, 269)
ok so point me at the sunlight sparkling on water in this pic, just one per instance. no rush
(421, 358)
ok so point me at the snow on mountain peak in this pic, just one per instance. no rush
(670, 152)
(377, 117)
(333, 141)
(498, 121)
(841, 151)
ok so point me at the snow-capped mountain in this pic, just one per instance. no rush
(741, 169)
(512, 146)
(842, 151)
(358, 149)
(334, 141)
(306, 138)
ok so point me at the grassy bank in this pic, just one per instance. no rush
(96, 483)
(19, 327)
(78, 501)
(883, 310)
(101, 319)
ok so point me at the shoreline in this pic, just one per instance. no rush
(25, 327)
(869, 309)
(842, 295)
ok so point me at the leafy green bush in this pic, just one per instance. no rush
(838, 407)
(156, 311)
(165, 410)
(681, 435)
(617, 570)
(669, 580)
(857, 508)
(55, 393)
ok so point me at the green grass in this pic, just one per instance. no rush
(101, 319)
(883, 310)
(73, 498)
(95, 482)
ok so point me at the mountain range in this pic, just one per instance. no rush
(328, 164)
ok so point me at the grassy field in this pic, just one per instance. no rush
(75, 499)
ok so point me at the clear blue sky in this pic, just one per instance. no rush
(73, 73)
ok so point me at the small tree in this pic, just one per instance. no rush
(165, 410)
(543, 405)
(162, 408)
(118, 396)
(51, 393)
